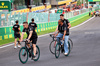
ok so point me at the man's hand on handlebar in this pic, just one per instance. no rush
(63, 38)
(28, 40)
(21, 40)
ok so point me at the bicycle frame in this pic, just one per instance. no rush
(28, 48)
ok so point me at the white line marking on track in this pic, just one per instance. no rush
(89, 32)
(49, 33)
(6, 45)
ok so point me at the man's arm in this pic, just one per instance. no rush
(30, 35)
(57, 33)
(22, 36)
(65, 27)
(56, 30)
(69, 25)
(64, 34)
(35, 26)
(13, 29)
(19, 28)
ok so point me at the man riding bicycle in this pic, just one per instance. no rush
(31, 36)
(66, 21)
(62, 33)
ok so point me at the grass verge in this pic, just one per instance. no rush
(77, 22)
(6, 41)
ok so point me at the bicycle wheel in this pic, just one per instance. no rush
(23, 55)
(68, 49)
(71, 43)
(57, 51)
(52, 47)
(37, 53)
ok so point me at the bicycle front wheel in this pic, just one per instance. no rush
(37, 53)
(52, 47)
(23, 55)
(57, 51)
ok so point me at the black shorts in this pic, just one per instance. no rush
(16, 35)
(34, 40)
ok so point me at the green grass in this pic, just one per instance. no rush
(77, 22)
(6, 41)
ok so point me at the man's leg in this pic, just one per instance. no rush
(34, 49)
(19, 43)
(15, 43)
(34, 41)
(18, 35)
(60, 36)
(65, 44)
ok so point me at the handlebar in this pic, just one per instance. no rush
(23, 41)
(54, 38)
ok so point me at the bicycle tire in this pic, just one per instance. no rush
(50, 47)
(20, 55)
(57, 46)
(71, 44)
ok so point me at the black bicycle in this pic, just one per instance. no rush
(59, 48)
(54, 42)
(26, 52)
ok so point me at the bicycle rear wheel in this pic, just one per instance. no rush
(23, 55)
(57, 51)
(37, 53)
(52, 47)
(71, 44)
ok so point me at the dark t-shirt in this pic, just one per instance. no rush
(66, 21)
(34, 25)
(15, 27)
(62, 28)
(34, 34)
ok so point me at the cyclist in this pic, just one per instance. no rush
(31, 36)
(16, 29)
(66, 21)
(34, 25)
(62, 33)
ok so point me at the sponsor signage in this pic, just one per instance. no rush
(5, 5)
